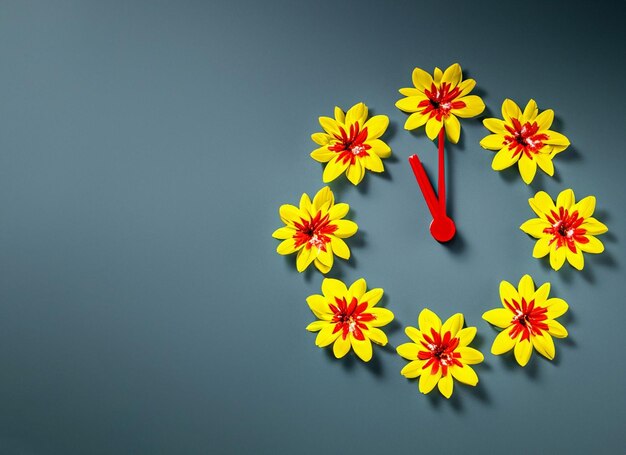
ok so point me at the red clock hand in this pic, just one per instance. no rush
(442, 227)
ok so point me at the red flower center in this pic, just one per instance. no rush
(528, 320)
(565, 229)
(314, 232)
(350, 318)
(440, 101)
(524, 138)
(439, 352)
(350, 146)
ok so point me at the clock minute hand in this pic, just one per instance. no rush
(424, 183)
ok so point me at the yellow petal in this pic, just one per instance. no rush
(428, 320)
(446, 385)
(340, 116)
(339, 247)
(470, 355)
(345, 228)
(433, 126)
(411, 91)
(545, 163)
(542, 247)
(285, 232)
(376, 126)
(412, 369)
(341, 346)
(541, 295)
(323, 196)
(535, 227)
(379, 148)
(437, 75)
(362, 348)
(503, 343)
(326, 336)
(319, 306)
(358, 288)
(594, 227)
(376, 335)
(421, 79)
(576, 259)
(545, 119)
(453, 128)
(383, 316)
(495, 125)
(526, 287)
(466, 335)
(464, 374)
(410, 103)
(530, 111)
(557, 257)
(452, 75)
(473, 107)
(408, 351)
(556, 329)
(323, 267)
(523, 350)
(565, 199)
(338, 211)
(330, 126)
(493, 142)
(508, 292)
(556, 307)
(372, 297)
(332, 288)
(415, 121)
(499, 317)
(510, 110)
(527, 169)
(414, 334)
(334, 169)
(541, 204)
(355, 114)
(373, 163)
(304, 258)
(316, 326)
(305, 204)
(320, 138)
(429, 381)
(287, 247)
(544, 344)
(322, 154)
(555, 138)
(356, 172)
(504, 159)
(594, 245)
(585, 206)
(289, 213)
(453, 325)
(466, 86)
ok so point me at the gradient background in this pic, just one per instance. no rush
(145, 148)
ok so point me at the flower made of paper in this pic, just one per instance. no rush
(527, 320)
(348, 318)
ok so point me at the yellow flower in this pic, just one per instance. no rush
(348, 318)
(315, 230)
(439, 353)
(565, 230)
(436, 101)
(351, 143)
(528, 319)
(524, 138)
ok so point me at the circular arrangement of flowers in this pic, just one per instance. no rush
(350, 318)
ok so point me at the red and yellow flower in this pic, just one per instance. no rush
(564, 230)
(351, 144)
(315, 230)
(527, 320)
(436, 101)
(439, 353)
(348, 318)
(524, 138)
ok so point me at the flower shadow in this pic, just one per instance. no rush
(350, 362)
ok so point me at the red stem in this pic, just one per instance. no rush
(441, 189)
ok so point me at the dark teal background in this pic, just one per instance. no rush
(145, 147)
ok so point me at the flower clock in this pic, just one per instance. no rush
(350, 319)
